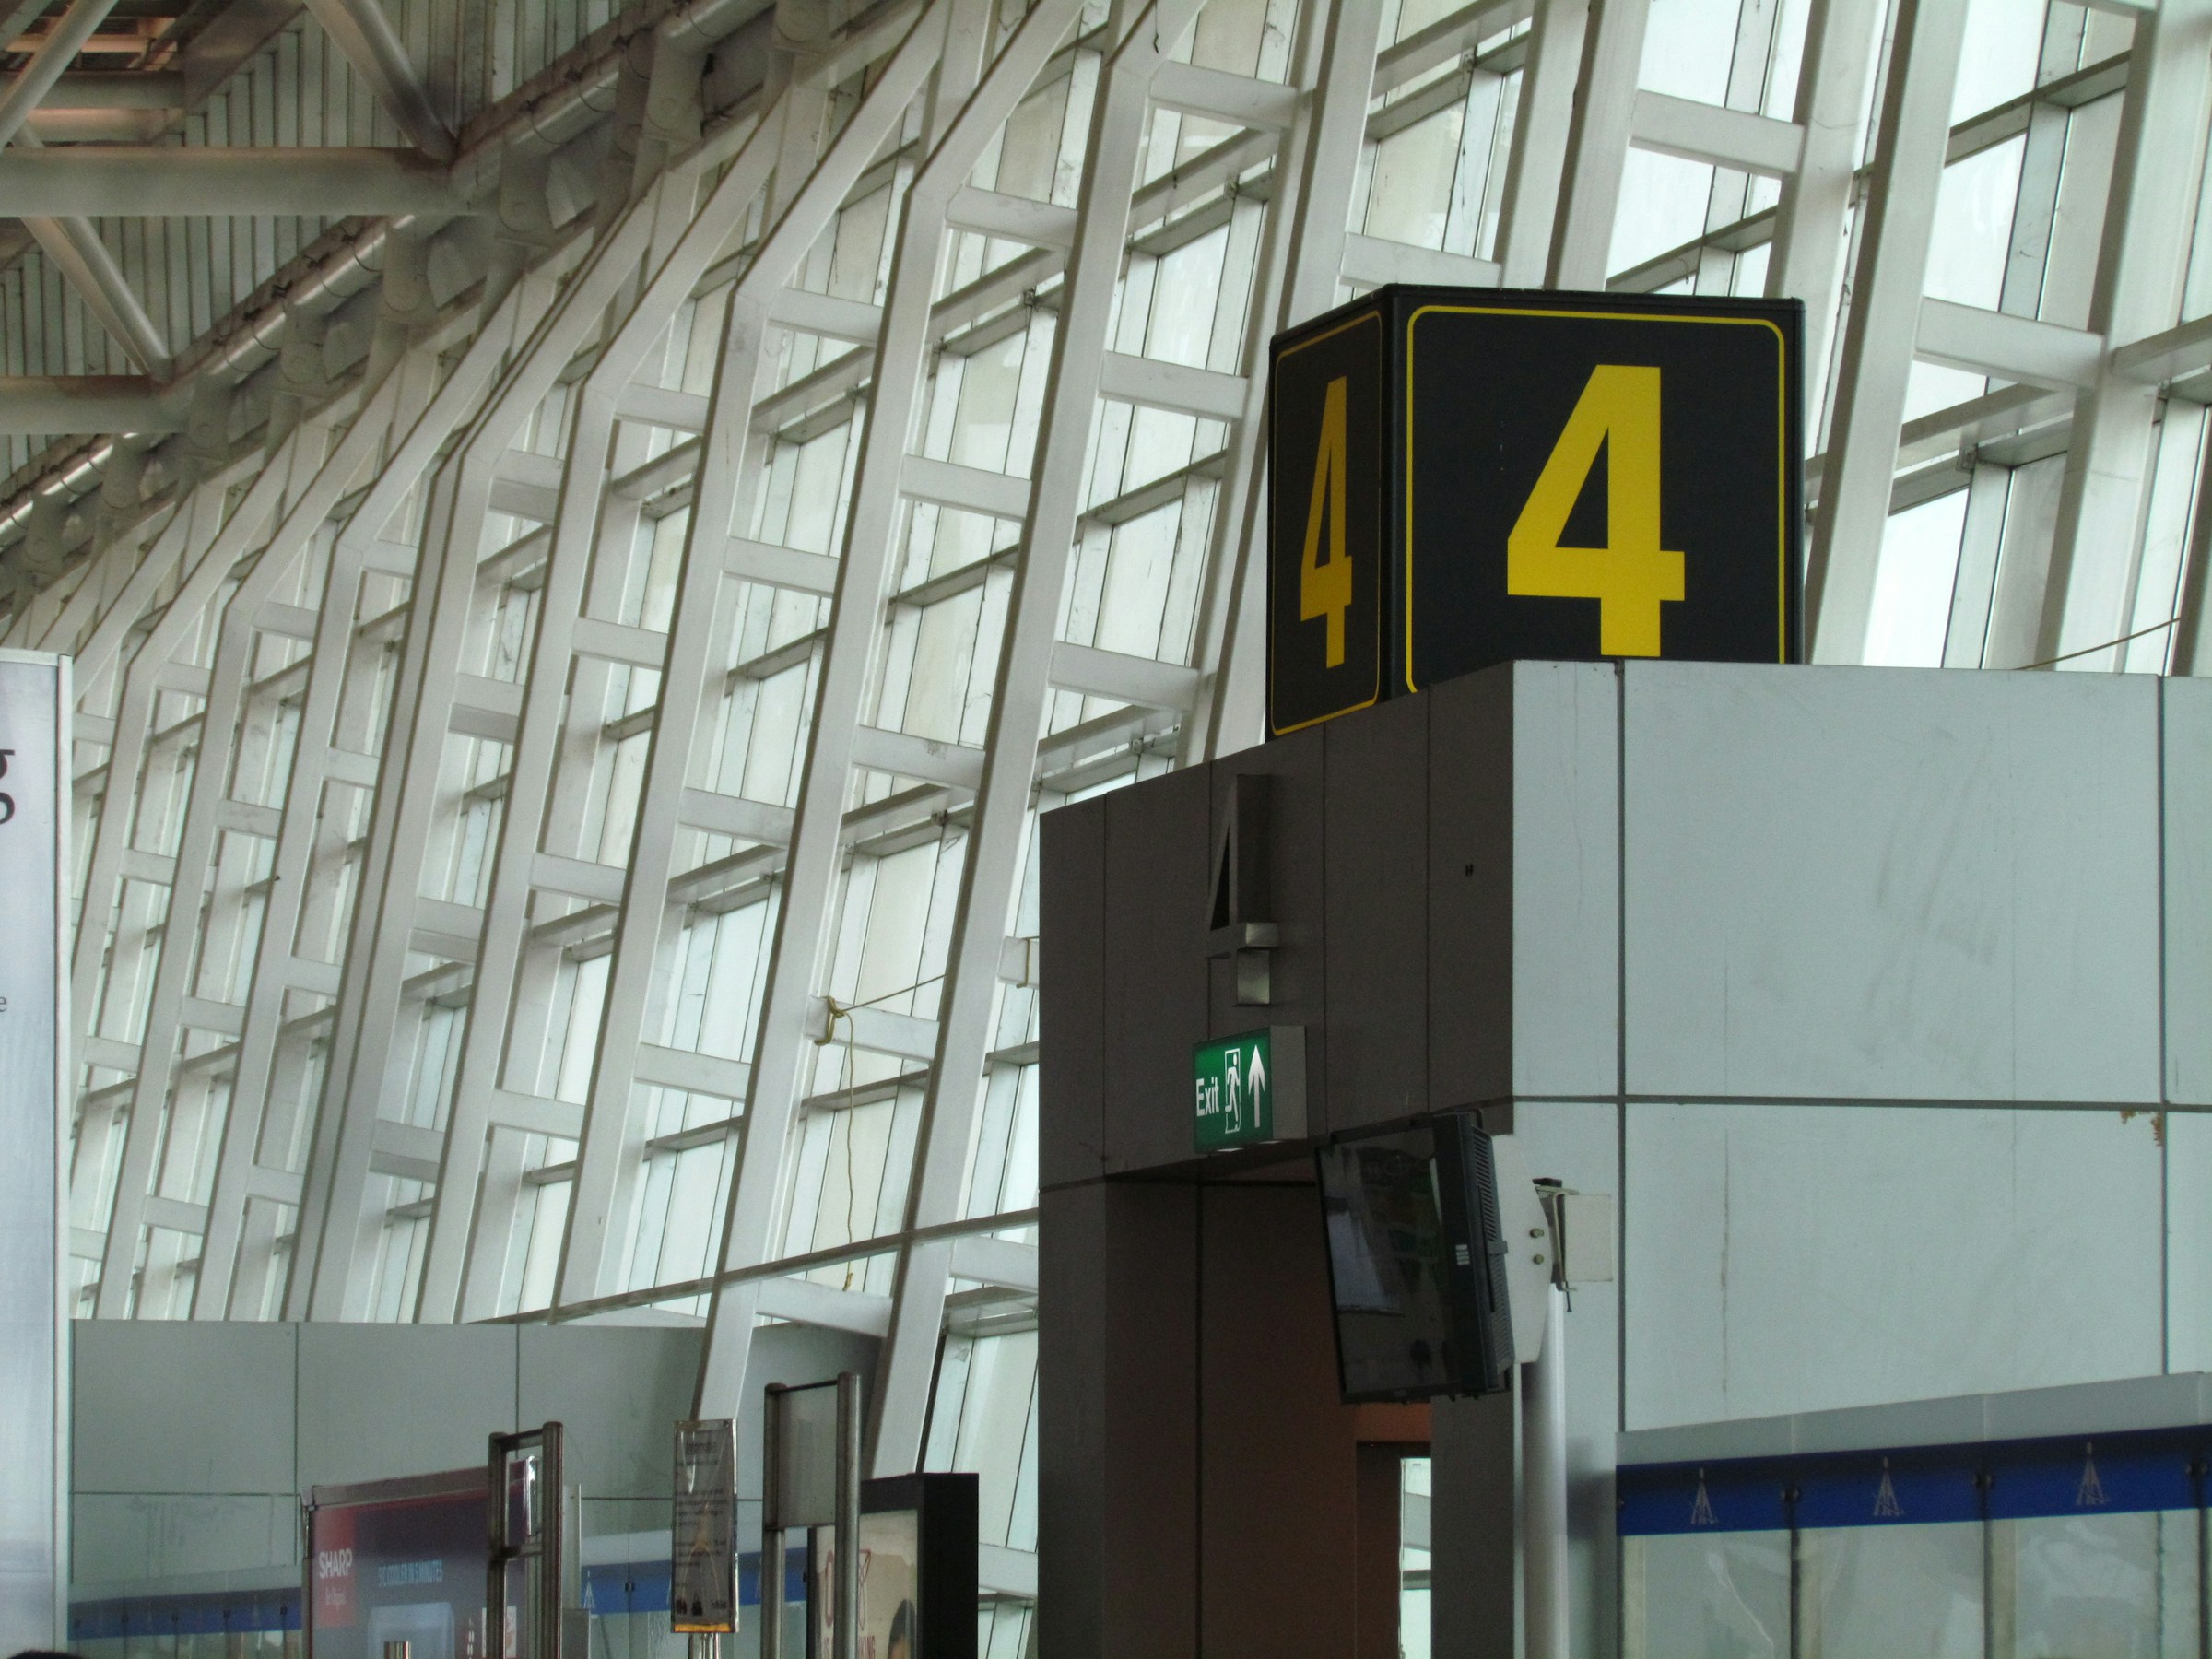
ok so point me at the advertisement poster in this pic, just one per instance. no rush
(406, 1568)
(891, 1584)
(33, 1136)
(890, 1587)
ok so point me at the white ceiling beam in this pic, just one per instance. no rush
(156, 181)
(54, 53)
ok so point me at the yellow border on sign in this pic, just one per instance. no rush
(1781, 445)
(1374, 697)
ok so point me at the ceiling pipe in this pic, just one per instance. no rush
(365, 35)
(164, 181)
(85, 403)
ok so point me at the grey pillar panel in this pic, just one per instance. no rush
(377, 1401)
(1265, 1451)
(617, 1390)
(1071, 892)
(1890, 885)
(1117, 1360)
(1295, 768)
(1470, 888)
(130, 1378)
(1071, 1373)
(1566, 897)
(1471, 1523)
(1157, 853)
(1378, 915)
(2188, 836)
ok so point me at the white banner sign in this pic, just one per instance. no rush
(34, 1475)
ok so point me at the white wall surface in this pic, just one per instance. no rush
(1911, 963)
(1804, 1258)
(1892, 884)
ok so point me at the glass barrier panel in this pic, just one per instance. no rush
(1883, 1592)
(1706, 1595)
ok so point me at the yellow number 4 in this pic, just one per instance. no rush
(1632, 575)
(1325, 585)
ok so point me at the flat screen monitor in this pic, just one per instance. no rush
(1417, 1262)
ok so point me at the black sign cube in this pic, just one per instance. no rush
(1462, 477)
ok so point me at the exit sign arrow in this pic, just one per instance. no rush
(1249, 1090)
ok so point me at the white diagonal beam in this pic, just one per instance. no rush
(2097, 548)
(1895, 229)
(575, 535)
(866, 573)
(999, 835)
(330, 670)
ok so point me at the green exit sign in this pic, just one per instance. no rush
(1249, 1090)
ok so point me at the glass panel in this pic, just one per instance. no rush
(1883, 1592)
(1706, 1595)
(2099, 1587)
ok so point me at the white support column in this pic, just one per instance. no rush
(1814, 215)
(811, 211)
(190, 886)
(2157, 164)
(1536, 170)
(218, 544)
(999, 835)
(427, 420)
(599, 1217)
(575, 535)
(327, 1283)
(133, 719)
(1896, 224)
(1598, 144)
(545, 686)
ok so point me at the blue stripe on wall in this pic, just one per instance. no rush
(2001, 1480)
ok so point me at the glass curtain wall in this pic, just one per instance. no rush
(588, 898)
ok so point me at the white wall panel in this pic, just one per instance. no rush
(1806, 1258)
(122, 1539)
(1566, 878)
(239, 1379)
(382, 1400)
(1907, 885)
(2188, 805)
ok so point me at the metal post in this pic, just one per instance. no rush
(847, 1589)
(772, 1523)
(1544, 1487)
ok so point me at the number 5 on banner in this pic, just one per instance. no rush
(1632, 575)
(1324, 586)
